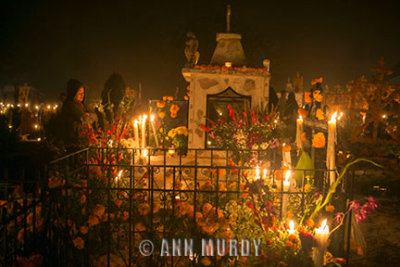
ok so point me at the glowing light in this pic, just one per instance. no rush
(171, 151)
(119, 175)
(37, 107)
(323, 229)
(291, 228)
(287, 177)
(257, 173)
(220, 113)
(151, 117)
(39, 139)
(10, 126)
(275, 121)
(145, 153)
(333, 118)
(26, 105)
(19, 105)
(300, 118)
(36, 126)
(384, 116)
(265, 173)
(228, 64)
(48, 107)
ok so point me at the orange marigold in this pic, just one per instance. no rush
(79, 243)
(330, 208)
(317, 96)
(173, 115)
(320, 114)
(318, 140)
(307, 97)
(161, 115)
(161, 104)
(174, 108)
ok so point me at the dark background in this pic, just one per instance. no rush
(44, 43)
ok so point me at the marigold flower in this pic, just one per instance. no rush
(304, 137)
(206, 261)
(307, 97)
(316, 80)
(174, 115)
(84, 229)
(160, 104)
(318, 140)
(79, 243)
(140, 227)
(206, 208)
(55, 182)
(161, 115)
(310, 223)
(174, 108)
(320, 114)
(286, 148)
(93, 220)
(99, 210)
(143, 208)
(330, 208)
(118, 202)
(317, 96)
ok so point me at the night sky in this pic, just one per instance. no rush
(45, 43)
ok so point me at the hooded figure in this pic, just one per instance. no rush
(72, 115)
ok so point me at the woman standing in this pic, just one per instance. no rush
(73, 114)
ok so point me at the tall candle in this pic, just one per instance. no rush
(153, 126)
(144, 118)
(287, 160)
(330, 151)
(135, 126)
(285, 197)
(299, 132)
(321, 241)
(257, 173)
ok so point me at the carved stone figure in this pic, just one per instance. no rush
(191, 53)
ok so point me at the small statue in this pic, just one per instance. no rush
(191, 53)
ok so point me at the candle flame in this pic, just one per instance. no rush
(291, 225)
(288, 173)
(301, 118)
(257, 172)
(333, 118)
(152, 117)
(265, 173)
(323, 229)
(119, 175)
(135, 123)
(145, 152)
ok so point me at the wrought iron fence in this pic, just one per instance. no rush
(98, 204)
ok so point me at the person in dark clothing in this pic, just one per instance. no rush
(72, 115)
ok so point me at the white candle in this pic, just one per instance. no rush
(257, 173)
(153, 126)
(135, 126)
(265, 174)
(144, 118)
(291, 228)
(321, 240)
(330, 151)
(285, 197)
(299, 132)
(287, 160)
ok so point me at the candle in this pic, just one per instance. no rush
(287, 160)
(135, 126)
(265, 173)
(291, 228)
(144, 118)
(321, 240)
(257, 173)
(285, 197)
(330, 151)
(299, 132)
(153, 126)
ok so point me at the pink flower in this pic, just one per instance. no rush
(339, 217)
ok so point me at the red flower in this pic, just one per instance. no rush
(206, 129)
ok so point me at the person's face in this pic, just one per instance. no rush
(80, 95)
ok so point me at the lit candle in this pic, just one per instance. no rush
(299, 132)
(321, 240)
(153, 126)
(285, 197)
(135, 126)
(330, 151)
(291, 228)
(265, 173)
(287, 160)
(144, 118)
(257, 173)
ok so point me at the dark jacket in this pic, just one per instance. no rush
(72, 114)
